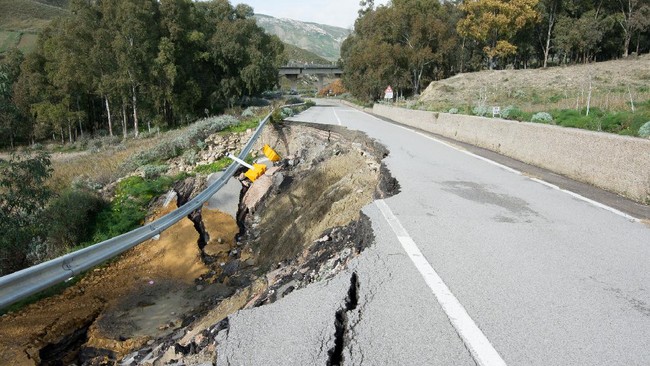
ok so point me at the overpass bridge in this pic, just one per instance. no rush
(293, 72)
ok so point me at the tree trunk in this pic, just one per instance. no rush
(110, 120)
(551, 21)
(124, 123)
(135, 111)
(462, 56)
(81, 130)
(70, 131)
(626, 43)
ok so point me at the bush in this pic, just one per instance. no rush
(644, 131)
(453, 111)
(276, 116)
(294, 100)
(480, 110)
(286, 113)
(130, 205)
(542, 117)
(513, 113)
(173, 145)
(71, 219)
(83, 182)
(154, 171)
(249, 112)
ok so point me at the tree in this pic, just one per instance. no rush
(23, 196)
(549, 10)
(634, 17)
(403, 45)
(495, 23)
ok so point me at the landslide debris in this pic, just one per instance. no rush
(166, 300)
(300, 223)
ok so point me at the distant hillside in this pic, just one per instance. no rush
(298, 55)
(29, 15)
(323, 40)
(22, 20)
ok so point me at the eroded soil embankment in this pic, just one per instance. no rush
(299, 224)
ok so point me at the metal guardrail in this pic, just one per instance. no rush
(19, 285)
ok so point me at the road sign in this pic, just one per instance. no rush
(388, 93)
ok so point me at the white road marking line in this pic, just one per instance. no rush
(480, 347)
(337, 117)
(515, 171)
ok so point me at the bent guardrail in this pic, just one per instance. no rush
(19, 285)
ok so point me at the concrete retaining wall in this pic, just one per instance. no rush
(616, 163)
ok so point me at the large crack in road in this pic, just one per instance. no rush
(299, 224)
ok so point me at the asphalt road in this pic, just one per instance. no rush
(474, 264)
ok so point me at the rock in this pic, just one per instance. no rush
(256, 193)
(199, 288)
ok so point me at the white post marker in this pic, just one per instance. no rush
(240, 161)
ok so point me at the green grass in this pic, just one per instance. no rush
(243, 126)
(621, 122)
(217, 166)
(8, 39)
(130, 205)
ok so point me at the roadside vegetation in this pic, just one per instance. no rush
(101, 188)
(121, 68)
(410, 44)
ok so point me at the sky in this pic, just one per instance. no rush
(340, 13)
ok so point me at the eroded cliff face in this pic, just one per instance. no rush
(166, 299)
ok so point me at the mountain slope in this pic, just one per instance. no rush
(323, 40)
(28, 15)
(296, 55)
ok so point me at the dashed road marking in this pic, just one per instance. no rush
(479, 346)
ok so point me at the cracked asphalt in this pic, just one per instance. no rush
(547, 278)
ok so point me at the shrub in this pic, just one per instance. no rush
(249, 112)
(173, 145)
(276, 116)
(644, 131)
(286, 113)
(129, 207)
(542, 117)
(294, 100)
(480, 110)
(453, 111)
(83, 182)
(71, 219)
(513, 113)
(154, 171)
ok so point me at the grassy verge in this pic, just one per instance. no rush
(622, 122)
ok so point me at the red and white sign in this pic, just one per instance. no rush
(388, 93)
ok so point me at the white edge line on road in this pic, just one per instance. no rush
(515, 171)
(479, 346)
(337, 117)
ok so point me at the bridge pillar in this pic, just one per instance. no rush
(294, 81)
(321, 81)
